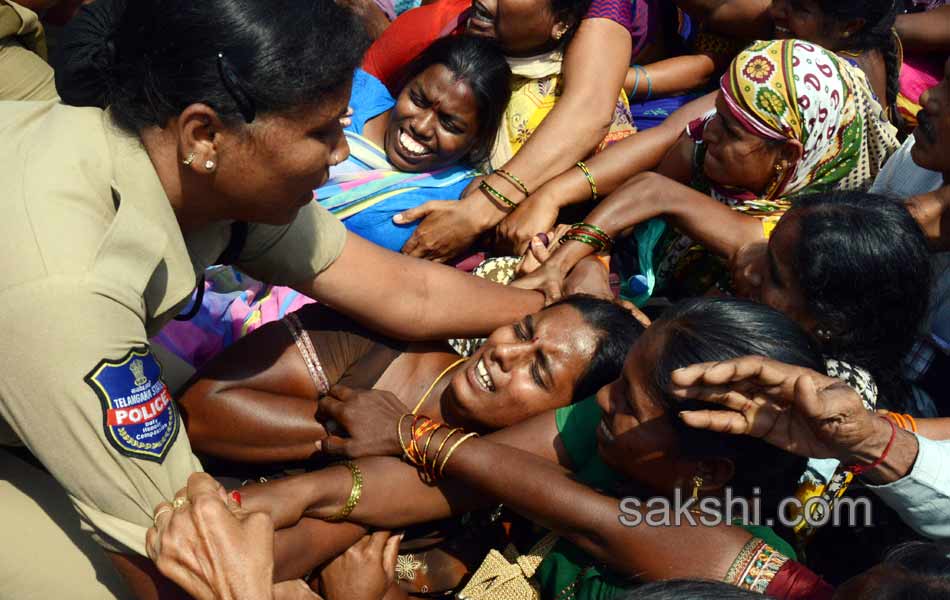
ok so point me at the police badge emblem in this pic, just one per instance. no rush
(139, 417)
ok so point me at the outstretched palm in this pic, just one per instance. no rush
(793, 408)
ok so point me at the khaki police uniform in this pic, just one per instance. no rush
(94, 263)
(24, 73)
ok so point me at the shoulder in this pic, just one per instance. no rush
(57, 180)
(368, 99)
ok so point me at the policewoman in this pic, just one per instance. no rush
(223, 117)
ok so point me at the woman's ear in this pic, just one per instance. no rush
(197, 128)
(791, 152)
(852, 27)
(716, 474)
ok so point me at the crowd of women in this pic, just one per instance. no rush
(693, 256)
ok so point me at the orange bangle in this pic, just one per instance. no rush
(604, 260)
(913, 423)
(898, 419)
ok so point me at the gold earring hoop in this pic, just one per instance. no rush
(191, 158)
(694, 495)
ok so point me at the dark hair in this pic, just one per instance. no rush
(918, 570)
(241, 57)
(864, 269)
(690, 589)
(878, 33)
(616, 331)
(481, 64)
(716, 329)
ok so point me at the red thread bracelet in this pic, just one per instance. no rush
(857, 470)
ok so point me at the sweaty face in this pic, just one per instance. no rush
(803, 20)
(525, 368)
(521, 27)
(434, 122)
(773, 278)
(932, 136)
(269, 174)
(635, 436)
(734, 156)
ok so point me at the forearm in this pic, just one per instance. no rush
(548, 495)
(738, 18)
(934, 429)
(614, 166)
(925, 32)
(670, 76)
(310, 543)
(249, 425)
(593, 72)
(412, 299)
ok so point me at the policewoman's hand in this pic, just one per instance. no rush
(368, 416)
(211, 547)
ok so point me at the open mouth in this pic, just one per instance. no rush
(411, 147)
(782, 32)
(481, 376)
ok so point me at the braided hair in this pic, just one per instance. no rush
(878, 33)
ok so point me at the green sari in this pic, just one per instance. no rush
(567, 572)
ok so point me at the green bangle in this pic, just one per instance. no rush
(593, 228)
(585, 239)
(488, 189)
(514, 179)
(355, 493)
(590, 179)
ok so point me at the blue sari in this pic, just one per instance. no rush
(366, 191)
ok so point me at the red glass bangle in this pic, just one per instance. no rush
(859, 469)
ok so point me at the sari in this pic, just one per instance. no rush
(785, 90)
(366, 191)
(536, 85)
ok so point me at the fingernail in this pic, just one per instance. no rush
(398, 219)
(318, 445)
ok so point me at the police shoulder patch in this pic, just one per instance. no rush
(138, 415)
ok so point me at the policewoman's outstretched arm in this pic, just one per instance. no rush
(413, 299)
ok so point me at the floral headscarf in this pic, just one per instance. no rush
(791, 89)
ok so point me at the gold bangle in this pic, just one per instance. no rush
(590, 179)
(448, 454)
(355, 493)
(493, 193)
(514, 180)
(402, 441)
(438, 452)
(425, 449)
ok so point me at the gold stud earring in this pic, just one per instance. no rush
(191, 158)
(209, 165)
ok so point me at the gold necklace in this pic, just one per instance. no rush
(425, 396)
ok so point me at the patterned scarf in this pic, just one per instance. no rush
(795, 90)
(347, 194)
